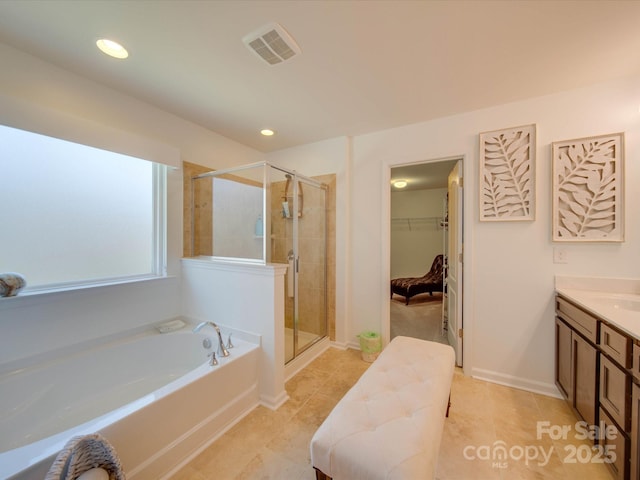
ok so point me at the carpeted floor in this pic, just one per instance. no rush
(422, 318)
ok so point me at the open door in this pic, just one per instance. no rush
(454, 261)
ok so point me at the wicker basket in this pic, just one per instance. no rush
(83, 453)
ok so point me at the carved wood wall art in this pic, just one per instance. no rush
(588, 189)
(507, 174)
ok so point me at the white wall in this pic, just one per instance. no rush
(220, 292)
(28, 78)
(508, 266)
(416, 234)
(39, 323)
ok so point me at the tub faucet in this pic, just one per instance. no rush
(221, 348)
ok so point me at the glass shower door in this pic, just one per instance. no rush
(298, 239)
(311, 286)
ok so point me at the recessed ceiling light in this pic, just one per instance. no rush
(267, 132)
(111, 48)
(400, 183)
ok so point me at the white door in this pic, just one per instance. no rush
(454, 271)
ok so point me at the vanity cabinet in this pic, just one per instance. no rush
(576, 359)
(594, 368)
(634, 450)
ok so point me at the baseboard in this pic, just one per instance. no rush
(274, 402)
(340, 345)
(543, 388)
(170, 459)
(353, 344)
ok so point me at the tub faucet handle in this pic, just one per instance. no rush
(214, 360)
(222, 350)
(229, 344)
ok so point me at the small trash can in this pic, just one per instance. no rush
(370, 345)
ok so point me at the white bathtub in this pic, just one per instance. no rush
(154, 396)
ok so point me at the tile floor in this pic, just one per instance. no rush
(275, 445)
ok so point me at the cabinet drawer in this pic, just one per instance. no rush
(615, 389)
(615, 446)
(578, 319)
(616, 345)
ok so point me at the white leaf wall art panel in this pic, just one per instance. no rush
(588, 189)
(507, 174)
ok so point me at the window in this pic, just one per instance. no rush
(75, 215)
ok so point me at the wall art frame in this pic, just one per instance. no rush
(507, 174)
(588, 189)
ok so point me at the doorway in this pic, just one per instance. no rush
(426, 235)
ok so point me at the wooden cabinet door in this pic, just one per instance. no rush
(614, 446)
(584, 378)
(615, 386)
(563, 359)
(635, 431)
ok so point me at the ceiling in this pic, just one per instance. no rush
(423, 176)
(365, 65)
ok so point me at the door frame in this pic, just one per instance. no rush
(467, 303)
(455, 259)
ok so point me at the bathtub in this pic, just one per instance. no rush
(153, 396)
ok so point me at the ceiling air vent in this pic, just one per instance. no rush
(272, 44)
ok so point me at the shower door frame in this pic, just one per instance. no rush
(296, 178)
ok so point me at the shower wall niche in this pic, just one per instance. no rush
(262, 213)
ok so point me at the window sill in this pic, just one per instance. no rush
(47, 293)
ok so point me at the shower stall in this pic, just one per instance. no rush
(262, 213)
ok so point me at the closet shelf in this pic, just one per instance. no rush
(417, 222)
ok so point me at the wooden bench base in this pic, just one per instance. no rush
(320, 475)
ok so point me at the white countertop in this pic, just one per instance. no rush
(617, 301)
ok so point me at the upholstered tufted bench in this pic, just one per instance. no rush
(389, 425)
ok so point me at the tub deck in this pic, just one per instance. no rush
(170, 403)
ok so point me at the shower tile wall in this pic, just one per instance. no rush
(202, 194)
(311, 265)
(312, 262)
(237, 204)
(281, 231)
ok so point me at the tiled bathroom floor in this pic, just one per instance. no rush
(483, 417)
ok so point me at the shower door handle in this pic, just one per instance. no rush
(293, 269)
(294, 261)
